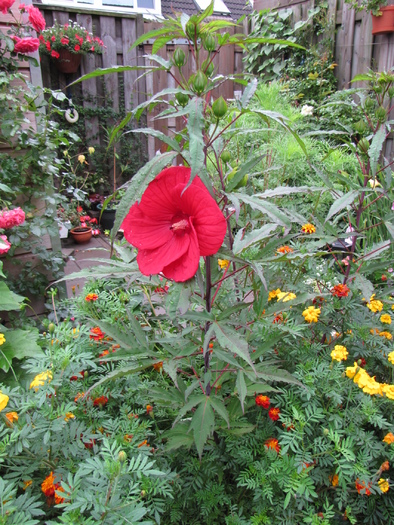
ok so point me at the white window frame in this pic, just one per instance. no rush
(97, 5)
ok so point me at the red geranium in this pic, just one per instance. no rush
(64, 41)
(77, 47)
(25, 45)
(54, 54)
(36, 19)
(172, 228)
(5, 5)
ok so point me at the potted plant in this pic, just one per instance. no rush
(67, 43)
(382, 14)
(81, 224)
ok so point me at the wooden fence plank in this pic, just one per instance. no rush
(344, 47)
(111, 83)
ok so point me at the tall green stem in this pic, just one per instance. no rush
(208, 288)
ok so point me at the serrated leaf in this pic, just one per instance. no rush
(218, 406)
(341, 203)
(240, 385)
(178, 437)
(202, 424)
(195, 127)
(228, 338)
(248, 93)
(375, 149)
(364, 285)
(161, 136)
(273, 212)
(8, 299)
(241, 243)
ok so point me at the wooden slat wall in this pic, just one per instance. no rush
(356, 50)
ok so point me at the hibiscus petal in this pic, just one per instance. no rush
(186, 266)
(207, 217)
(153, 261)
(145, 232)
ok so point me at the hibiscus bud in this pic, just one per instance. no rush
(209, 42)
(182, 99)
(226, 156)
(360, 126)
(193, 28)
(219, 108)
(381, 114)
(179, 57)
(391, 92)
(363, 145)
(208, 67)
(122, 456)
(199, 82)
(369, 103)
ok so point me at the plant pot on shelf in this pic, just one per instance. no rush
(68, 62)
(385, 23)
(81, 234)
(107, 217)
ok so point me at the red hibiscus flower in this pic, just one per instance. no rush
(5, 5)
(172, 228)
(36, 19)
(274, 414)
(26, 45)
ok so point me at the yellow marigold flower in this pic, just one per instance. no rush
(387, 335)
(383, 485)
(374, 305)
(311, 314)
(286, 296)
(81, 159)
(11, 417)
(351, 371)
(91, 150)
(385, 318)
(389, 438)
(3, 401)
(374, 331)
(223, 263)
(40, 379)
(308, 228)
(392, 307)
(361, 378)
(372, 387)
(27, 483)
(390, 357)
(339, 353)
(68, 416)
(273, 294)
(2, 339)
(389, 391)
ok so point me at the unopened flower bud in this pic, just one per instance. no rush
(122, 456)
(182, 99)
(360, 126)
(325, 431)
(51, 328)
(179, 57)
(200, 82)
(193, 28)
(219, 108)
(363, 145)
(209, 42)
(381, 114)
(208, 67)
(369, 103)
(226, 156)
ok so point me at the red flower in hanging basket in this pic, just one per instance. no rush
(173, 226)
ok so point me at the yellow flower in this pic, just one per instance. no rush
(91, 150)
(351, 370)
(69, 415)
(3, 401)
(81, 159)
(392, 307)
(286, 296)
(311, 314)
(273, 294)
(339, 353)
(361, 378)
(372, 387)
(385, 318)
(308, 228)
(374, 331)
(374, 183)
(390, 357)
(387, 335)
(2, 339)
(27, 483)
(332, 66)
(40, 379)
(383, 485)
(374, 305)
(389, 391)
(223, 263)
(389, 438)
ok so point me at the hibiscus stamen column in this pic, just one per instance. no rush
(207, 324)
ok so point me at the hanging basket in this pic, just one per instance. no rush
(385, 23)
(68, 62)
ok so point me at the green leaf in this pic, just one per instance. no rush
(248, 93)
(109, 70)
(138, 185)
(364, 285)
(9, 300)
(375, 148)
(19, 344)
(178, 437)
(178, 299)
(218, 406)
(263, 233)
(195, 127)
(228, 338)
(390, 228)
(158, 134)
(341, 203)
(242, 171)
(240, 385)
(202, 424)
(273, 212)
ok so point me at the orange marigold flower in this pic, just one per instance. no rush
(340, 290)
(149, 409)
(128, 437)
(158, 366)
(143, 444)
(273, 444)
(362, 488)
(389, 438)
(385, 466)
(48, 485)
(285, 249)
(91, 297)
(308, 228)
(11, 417)
(100, 401)
(78, 396)
(274, 413)
(334, 480)
(96, 333)
(262, 401)
(27, 483)
(278, 318)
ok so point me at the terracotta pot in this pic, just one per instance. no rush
(81, 234)
(68, 62)
(385, 23)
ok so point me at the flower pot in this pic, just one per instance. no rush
(81, 234)
(68, 62)
(385, 23)
(107, 217)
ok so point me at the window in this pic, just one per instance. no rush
(145, 7)
(218, 6)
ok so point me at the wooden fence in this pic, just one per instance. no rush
(118, 34)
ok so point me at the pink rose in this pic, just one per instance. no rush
(36, 19)
(11, 218)
(4, 241)
(5, 5)
(25, 45)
